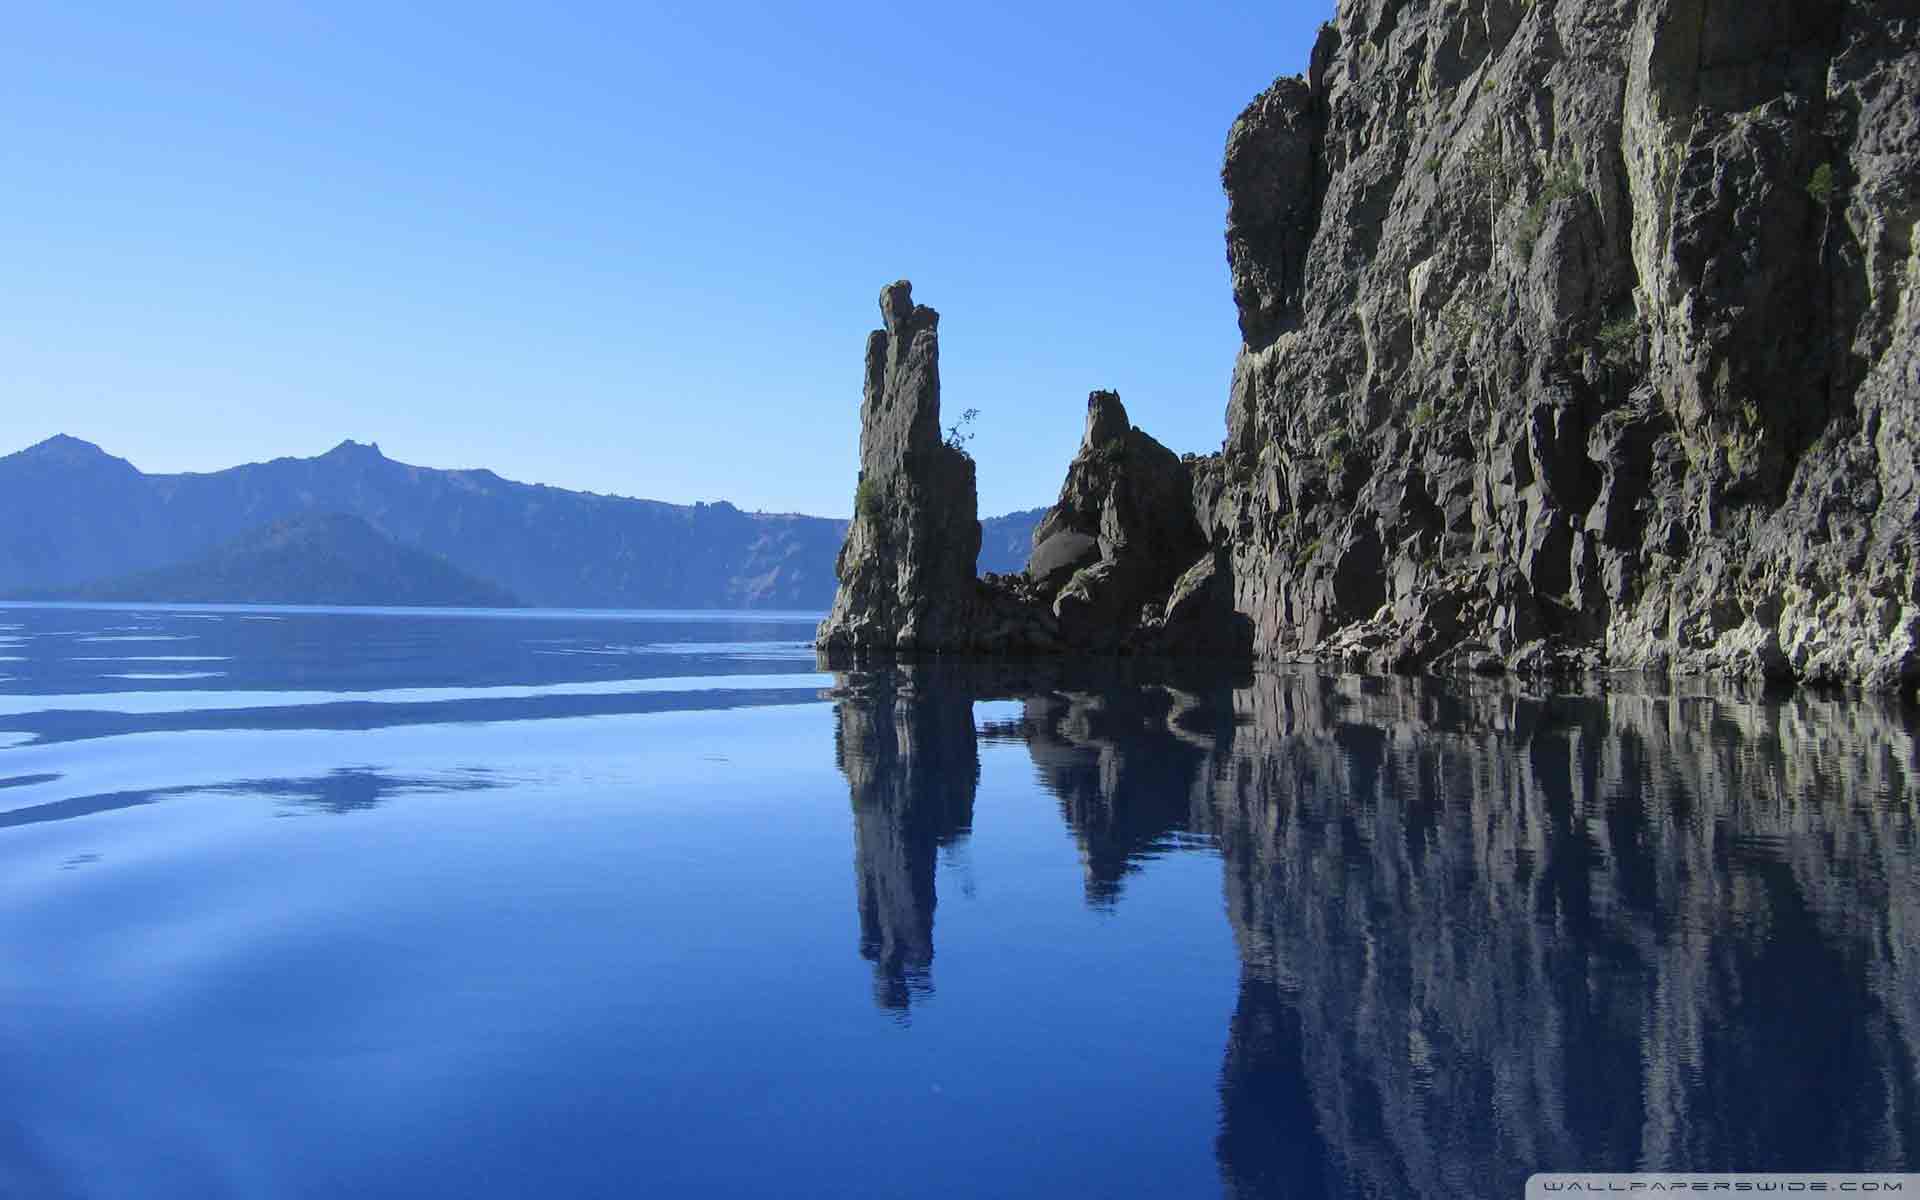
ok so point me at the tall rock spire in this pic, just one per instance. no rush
(907, 569)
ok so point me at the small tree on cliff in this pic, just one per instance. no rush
(961, 431)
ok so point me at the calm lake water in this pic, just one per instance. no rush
(355, 903)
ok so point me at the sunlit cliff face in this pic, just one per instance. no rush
(1483, 932)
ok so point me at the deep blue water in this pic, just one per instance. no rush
(353, 903)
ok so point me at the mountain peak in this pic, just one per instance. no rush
(367, 451)
(65, 452)
(62, 445)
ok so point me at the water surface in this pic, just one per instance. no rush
(315, 903)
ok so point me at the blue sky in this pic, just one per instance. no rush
(630, 248)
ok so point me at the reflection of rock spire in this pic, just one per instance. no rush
(912, 765)
(1122, 764)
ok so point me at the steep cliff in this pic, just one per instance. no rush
(1574, 334)
(1581, 332)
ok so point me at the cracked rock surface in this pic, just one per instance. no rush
(1582, 333)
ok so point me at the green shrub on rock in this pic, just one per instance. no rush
(1820, 187)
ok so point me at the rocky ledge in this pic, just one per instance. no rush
(1574, 335)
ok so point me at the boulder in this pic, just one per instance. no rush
(1121, 533)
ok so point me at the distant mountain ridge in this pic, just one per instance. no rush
(1006, 542)
(325, 558)
(78, 516)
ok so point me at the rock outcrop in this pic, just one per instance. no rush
(1119, 565)
(906, 570)
(1582, 333)
(1107, 556)
(1574, 335)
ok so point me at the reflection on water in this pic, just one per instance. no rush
(1482, 932)
(340, 790)
(572, 917)
(912, 767)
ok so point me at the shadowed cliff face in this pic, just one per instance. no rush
(1582, 332)
(1486, 932)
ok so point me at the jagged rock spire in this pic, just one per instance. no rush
(907, 569)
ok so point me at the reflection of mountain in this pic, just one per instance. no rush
(912, 765)
(1485, 933)
(374, 710)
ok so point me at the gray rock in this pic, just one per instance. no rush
(1573, 335)
(1065, 551)
(1121, 533)
(906, 571)
(1106, 420)
(1581, 333)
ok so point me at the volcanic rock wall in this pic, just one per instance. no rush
(1582, 332)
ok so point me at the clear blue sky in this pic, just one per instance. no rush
(626, 247)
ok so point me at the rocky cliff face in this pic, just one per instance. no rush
(1581, 332)
(1574, 335)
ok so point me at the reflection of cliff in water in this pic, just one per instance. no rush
(1482, 932)
(1569, 933)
